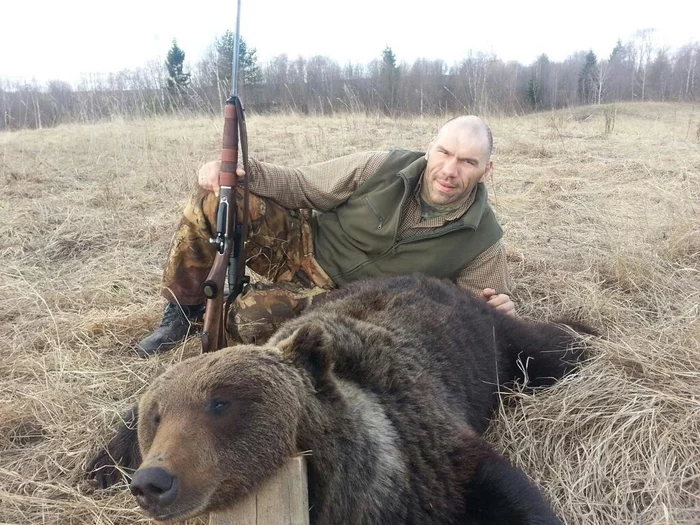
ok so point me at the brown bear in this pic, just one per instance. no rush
(387, 385)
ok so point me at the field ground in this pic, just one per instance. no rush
(600, 227)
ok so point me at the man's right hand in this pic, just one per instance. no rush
(208, 176)
(500, 301)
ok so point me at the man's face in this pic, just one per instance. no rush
(457, 161)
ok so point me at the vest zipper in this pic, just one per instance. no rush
(377, 215)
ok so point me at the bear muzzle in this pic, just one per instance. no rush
(154, 487)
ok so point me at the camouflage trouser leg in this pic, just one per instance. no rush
(279, 248)
(256, 314)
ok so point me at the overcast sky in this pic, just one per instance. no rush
(62, 39)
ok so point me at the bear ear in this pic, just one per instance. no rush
(307, 348)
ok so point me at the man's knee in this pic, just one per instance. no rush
(255, 315)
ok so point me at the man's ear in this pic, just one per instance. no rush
(489, 167)
(429, 148)
(307, 348)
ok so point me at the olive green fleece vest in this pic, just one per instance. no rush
(357, 239)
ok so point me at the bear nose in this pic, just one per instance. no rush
(154, 486)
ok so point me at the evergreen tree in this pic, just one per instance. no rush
(537, 84)
(389, 79)
(533, 94)
(621, 71)
(660, 74)
(618, 51)
(388, 59)
(248, 68)
(588, 79)
(177, 80)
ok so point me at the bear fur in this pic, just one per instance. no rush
(386, 387)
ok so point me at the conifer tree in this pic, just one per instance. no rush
(389, 79)
(537, 84)
(248, 68)
(177, 80)
(588, 79)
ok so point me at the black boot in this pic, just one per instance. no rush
(176, 325)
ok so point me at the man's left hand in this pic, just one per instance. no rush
(499, 301)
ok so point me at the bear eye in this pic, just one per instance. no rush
(218, 406)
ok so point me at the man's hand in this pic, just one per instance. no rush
(208, 176)
(499, 301)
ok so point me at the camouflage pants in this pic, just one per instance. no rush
(279, 248)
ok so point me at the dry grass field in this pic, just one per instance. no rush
(600, 227)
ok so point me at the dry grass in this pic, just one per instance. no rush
(600, 227)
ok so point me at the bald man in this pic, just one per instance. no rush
(375, 214)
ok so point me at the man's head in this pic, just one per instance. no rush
(458, 158)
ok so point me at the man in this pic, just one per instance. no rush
(376, 214)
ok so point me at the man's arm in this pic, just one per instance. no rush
(487, 276)
(321, 186)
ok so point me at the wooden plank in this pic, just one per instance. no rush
(281, 500)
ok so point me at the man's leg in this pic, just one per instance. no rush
(279, 248)
(189, 261)
(256, 315)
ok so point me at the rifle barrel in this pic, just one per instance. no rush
(236, 51)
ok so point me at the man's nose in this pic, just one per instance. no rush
(449, 169)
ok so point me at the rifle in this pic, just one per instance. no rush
(230, 231)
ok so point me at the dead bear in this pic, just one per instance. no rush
(388, 384)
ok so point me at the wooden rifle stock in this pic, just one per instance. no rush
(230, 232)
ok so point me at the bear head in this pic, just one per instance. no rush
(213, 427)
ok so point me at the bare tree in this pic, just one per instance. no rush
(603, 75)
(643, 48)
(480, 83)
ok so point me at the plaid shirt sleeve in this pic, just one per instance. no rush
(488, 270)
(320, 186)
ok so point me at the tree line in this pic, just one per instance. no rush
(481, 83)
